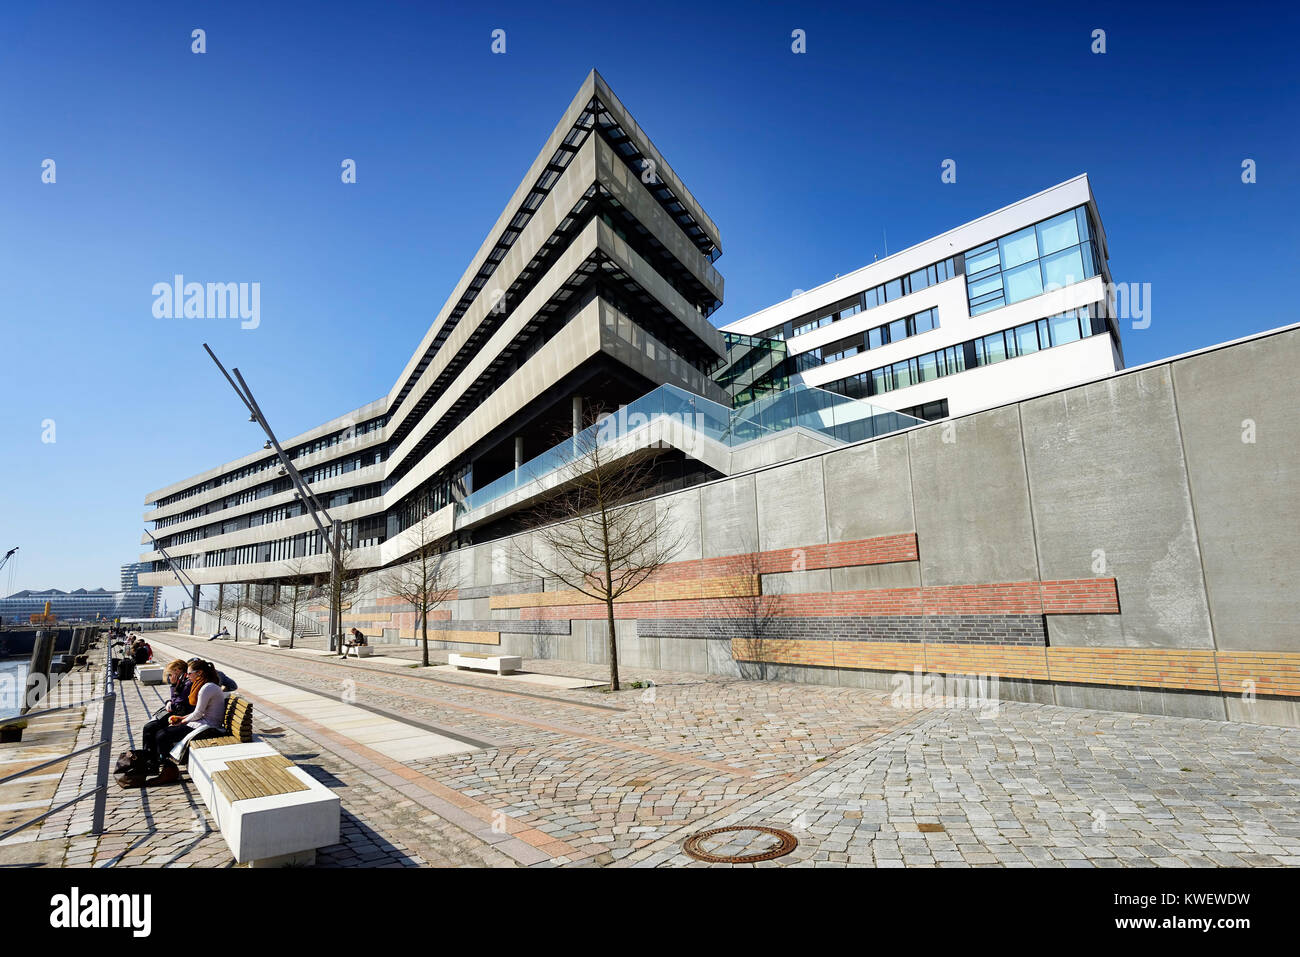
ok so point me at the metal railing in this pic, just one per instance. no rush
(104, 744)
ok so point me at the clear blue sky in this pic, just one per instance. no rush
(225, 167)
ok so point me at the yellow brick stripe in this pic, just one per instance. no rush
(1148, 667)
(374, 616)
(1019, 661)
(1227, 672)
(728, 586)
(1269, 672)
(468, 637)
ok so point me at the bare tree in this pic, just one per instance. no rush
(221, 605)
(295, 589)
(592, 532)
(426, 581)
(343, 589)
(259, 600)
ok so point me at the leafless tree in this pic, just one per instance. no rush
(221, 605)
(592, 533)
(426, 581)
(295, 589)
(260, 598)
(343, 589)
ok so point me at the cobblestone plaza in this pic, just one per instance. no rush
(537, 772)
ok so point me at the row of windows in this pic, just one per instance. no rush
(362, 533)
(895, 331)
(1048, 255)
(1008, 344)
(870, 299)
(929, 411)
(349, 434)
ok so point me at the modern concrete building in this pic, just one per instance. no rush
(930, 330)
(133, 600)
(1125, 544)
(1076, 531)
(593, 289)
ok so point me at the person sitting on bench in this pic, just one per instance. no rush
(223, 633)
(209, 713)
(356, 641)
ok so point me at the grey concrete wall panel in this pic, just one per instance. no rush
(972, 502)
(791, 505)
(728, 517)
(869, 490)
(1245, 493)
(867, 577)
(1107, 474)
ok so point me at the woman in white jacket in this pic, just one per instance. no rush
(209, 710)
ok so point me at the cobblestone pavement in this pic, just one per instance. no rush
(578, 776)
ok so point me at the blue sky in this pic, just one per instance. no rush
(225, 167)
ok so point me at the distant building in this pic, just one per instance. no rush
(133, 600)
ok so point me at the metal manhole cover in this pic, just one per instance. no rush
(740, 845)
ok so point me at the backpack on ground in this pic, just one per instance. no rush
(132, 768)
(125, 669)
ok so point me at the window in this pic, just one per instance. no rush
(1048, 255)
(1023, 340)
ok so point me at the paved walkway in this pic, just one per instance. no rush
(444, 767)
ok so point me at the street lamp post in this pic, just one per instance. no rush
(333, 537)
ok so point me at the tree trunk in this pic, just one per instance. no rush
(613, 646)
(424, 630)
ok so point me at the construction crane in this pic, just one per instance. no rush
(8, 555)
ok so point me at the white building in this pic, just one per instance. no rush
(931, 330)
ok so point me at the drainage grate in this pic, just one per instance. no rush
(740, 845)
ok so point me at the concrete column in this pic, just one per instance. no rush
(577, 414)
(194, 613)
(519, 452)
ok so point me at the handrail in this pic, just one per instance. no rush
(36, 714)
(104, 744)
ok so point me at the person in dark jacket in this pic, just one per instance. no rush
(177, 704)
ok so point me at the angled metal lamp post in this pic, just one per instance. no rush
(312, 504)
(180, 576)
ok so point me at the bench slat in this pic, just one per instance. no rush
(257, 777)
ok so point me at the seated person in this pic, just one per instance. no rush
(209, 711)
(356, 640)
(177, 704)
(141, 651)
(226, 682)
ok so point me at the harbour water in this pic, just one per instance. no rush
(13, 676)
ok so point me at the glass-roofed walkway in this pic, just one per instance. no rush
(837, 419)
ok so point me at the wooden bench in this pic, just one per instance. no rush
(237, 722)
(501, 664)
(270, 813)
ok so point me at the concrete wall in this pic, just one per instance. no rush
(1128, 544)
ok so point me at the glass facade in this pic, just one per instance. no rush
(1048, 255)
(875, 296)
(1022, 340)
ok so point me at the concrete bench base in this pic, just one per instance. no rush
(272, 831)
(278, 642)
(501, 664)
(149, 674)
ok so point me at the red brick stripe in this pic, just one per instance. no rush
(1096, 596)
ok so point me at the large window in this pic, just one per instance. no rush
(874, 338)
(1023, 340)
(875, 296)
(1048, 255)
